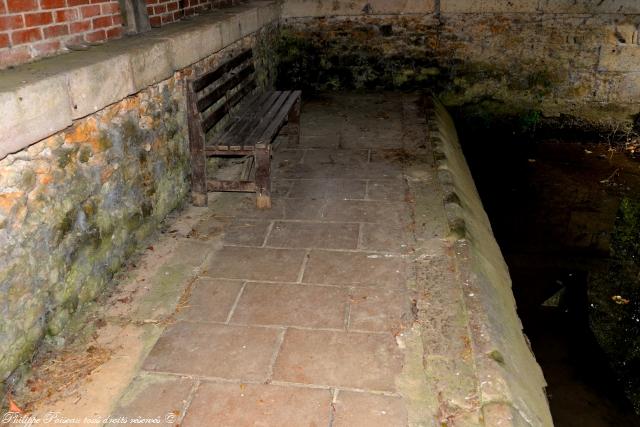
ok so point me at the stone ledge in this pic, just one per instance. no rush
(511, 384)
(488, 6)
(319, 8)
(44, 97)
(630, 7)
(541, 6)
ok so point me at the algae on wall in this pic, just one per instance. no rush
(76, 205)
(80, 203)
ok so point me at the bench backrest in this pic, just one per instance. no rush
(223, 88)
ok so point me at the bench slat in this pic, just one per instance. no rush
(269, 118)
(242, 127)
(279, 119)
(244, 135)
(204, 81)
(246, 186)
(216, 94)
(210, 120)
(247, 110)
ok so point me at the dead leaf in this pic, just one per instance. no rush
(619, 300)
(13, 407)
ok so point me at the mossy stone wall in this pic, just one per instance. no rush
(579, 69)
(76, 205)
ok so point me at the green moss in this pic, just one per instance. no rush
(530, 120)
(65, 225)
(104, 142)
(65, 155)
(131, 131)
(625, 240)
(28, 179)
(85, 154)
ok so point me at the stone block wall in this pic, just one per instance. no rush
(76, 204)
(575, 61)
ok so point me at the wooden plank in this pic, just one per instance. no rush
(275, 120)
(240, 186)
(208, 78)
(263, 178)
(210, 120)
(293, 122)
(261, 120)
(237, 134)
(247, 111)
(215, 95)
(197, 150)
(215, 151)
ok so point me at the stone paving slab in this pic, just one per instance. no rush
(292, 305)
(212, 350)
(355, 268)
(258, 405)
(379, 310)
(314, 235)
(235, 262)
(319, 311)
(369, 410)
(339, 359)
(154, 397)
(211, 300)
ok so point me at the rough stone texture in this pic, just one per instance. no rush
(494, 58)
(76, 205)
(308, 8)
(507, 372)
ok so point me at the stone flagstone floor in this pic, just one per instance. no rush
(307, 314)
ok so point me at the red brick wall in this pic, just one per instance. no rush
(163, 12)
(31, 29)
(34, 28)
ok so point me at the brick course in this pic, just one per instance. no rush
(35, 28)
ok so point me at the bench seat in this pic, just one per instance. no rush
(257, 125)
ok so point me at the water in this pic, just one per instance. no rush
(552, 205)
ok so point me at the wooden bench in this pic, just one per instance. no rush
(253, 120)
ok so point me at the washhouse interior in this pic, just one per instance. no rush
(313, 212)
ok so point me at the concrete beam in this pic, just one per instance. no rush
(96, 84)
(31, 111)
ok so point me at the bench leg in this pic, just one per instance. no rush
(196, 149)
(199, 180)
(263, 177)
(294, 124)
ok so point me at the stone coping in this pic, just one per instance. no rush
(511, 383)
(324, 8)
(42, 98)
